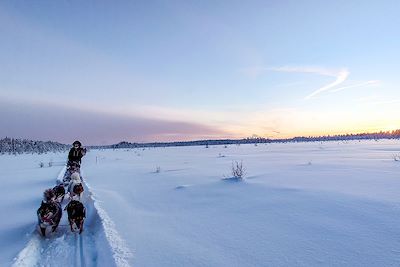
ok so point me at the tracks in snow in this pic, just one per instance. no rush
(64, 248)
(79, 255)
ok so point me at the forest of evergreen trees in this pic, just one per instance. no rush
(256, 140)
(19, 146)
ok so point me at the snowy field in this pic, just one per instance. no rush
(301, 204)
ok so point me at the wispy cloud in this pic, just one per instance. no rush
(40, 120)
(372, 82)
(256, 71)
(341, 76)
(305, 69)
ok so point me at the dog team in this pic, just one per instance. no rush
(50, 212)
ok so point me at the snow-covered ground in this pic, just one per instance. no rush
(21, 245)
(301, 204)
(22, 183)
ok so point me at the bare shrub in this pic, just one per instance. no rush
(41, 164)
(158, 169)
(238, 170)
(396, 157)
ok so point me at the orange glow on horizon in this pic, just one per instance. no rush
(319, 133)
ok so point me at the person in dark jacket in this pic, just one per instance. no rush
(76, 153)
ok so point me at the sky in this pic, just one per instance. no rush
(140, 71)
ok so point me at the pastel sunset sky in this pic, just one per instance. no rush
(108, 71)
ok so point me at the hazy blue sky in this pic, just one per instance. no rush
(105, 71)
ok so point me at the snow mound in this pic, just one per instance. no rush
(233, 179)
(183, 186)
(120, 251)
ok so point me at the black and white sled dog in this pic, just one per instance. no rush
(76, 215)
(75, 187)
(59, 192)
(49, 213)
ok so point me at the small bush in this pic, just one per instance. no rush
(41, 164)
(238, 170)
(158, 169)
(396, 157)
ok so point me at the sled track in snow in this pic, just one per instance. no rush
(98, 245)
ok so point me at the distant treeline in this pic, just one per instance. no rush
(259, 140)
(19, 146)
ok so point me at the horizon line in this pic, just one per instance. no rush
(254, 137)
(395, 131)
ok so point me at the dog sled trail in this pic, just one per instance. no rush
(65, 248)
(121, 255)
